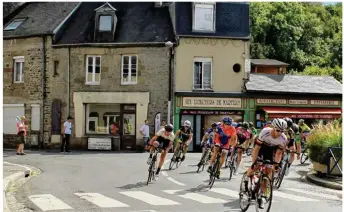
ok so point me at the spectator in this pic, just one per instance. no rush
(66, 133)
(21, 132)
(144, 130)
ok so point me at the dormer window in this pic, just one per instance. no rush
(14, 24)
(105, 23)
(204, 17)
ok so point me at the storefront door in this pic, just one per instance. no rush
(128, 138)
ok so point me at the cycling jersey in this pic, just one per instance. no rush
(291, 137)
(184, 135)
(253, 131)
(211, 133)
(223, 135)
(163, 139)
(243, 135)
(304, 128)
(266, 137)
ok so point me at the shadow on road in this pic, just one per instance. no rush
(136, 185)
(234, 205)
(190, 172)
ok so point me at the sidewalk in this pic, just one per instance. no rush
(328, 182)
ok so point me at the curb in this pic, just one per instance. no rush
(12, 178)
(313, 179)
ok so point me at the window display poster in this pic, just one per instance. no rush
(157, 122)
(129, 124)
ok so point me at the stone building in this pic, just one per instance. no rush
(107, 65)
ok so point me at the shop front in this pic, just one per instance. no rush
(311, 110)
(203, 111)
(110, 120)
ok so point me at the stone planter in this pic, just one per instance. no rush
(320, 160)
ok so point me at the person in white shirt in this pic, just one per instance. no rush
(144, 130)
(66, 132)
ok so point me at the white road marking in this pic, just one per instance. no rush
(314, 193)
(228, 192)
(47, 202)
(175, 181)
(292, 197)
(164, 173)
(149, 198)
(101, 200)
(197, 197)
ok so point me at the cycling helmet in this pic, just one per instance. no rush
(234, 124)
(227, 120)
(169, 127)
(218, 123)
(239, 124)
(295, 128)
(214, 125)
(289, 121)
(245, 125)
(279, 124)
(301, 121)
(187, 123)
(250, 124)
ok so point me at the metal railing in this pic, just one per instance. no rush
(330, 155)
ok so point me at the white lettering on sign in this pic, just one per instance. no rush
(211, 102)
(297, 102)
(99, 143)
(324, 102)
(271, 101)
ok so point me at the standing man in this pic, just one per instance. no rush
(66, 133)
(163, 124)
(144, 130)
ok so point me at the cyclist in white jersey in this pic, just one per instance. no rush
(268, 141)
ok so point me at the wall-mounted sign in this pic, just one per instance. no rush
(324, 102)
(209, 112)
(306, 116)
(297, 102)
(211, 102)
(271, 101)
(99, 143)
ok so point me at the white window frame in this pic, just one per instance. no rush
(130, 82)
(21, 60)
(95, 119)
(203, 60)
(207, 5)
(93, 82)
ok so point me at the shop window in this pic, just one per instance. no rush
(129, 124)
(103, 119)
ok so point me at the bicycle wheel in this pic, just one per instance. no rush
(304, 157)
(173, 160)
(266, 197)
(151, 170)
(228, 160)
(202, 161)
(279, 179)
(214, 173)
(244, 202)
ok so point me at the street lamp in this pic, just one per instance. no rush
(169, 45)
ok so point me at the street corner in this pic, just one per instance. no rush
(15, 176)
(327, 183)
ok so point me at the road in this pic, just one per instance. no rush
(88, 181)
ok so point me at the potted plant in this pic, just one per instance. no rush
(321, 138)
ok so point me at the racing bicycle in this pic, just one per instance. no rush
(216, 167)
(204, 158)
(284, 166)
(153, 164)
(176, 159)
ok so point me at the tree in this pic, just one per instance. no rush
(301, 34)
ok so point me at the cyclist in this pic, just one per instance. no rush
(304, 130)
(268, 140)
(164, 137)
(243, 136)
(296, 129)
(235, 125)
(225, 136)
(239, 124)
(184, 135)
(268, 124)
(291, 141)
(207, 140)
(254, 133)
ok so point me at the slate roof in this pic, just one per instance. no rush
(42, 18)
(268, 62)
(232, 20)
(137, 22)
(293, 84)
(9, 7)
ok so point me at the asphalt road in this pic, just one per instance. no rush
(93, 181)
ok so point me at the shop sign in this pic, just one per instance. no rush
(271, 101)
(324, 102)
(211, 102)
(297, 102)
(305, 116)
(210, 112)
(99, 143)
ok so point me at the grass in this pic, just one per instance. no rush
(322, 137)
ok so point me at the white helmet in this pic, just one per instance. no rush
(218, 123)
(187, 123)
(279, 124)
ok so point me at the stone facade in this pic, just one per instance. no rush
(153, 66)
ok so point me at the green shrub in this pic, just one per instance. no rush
(321, 138)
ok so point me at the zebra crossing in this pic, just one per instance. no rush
(49, 202)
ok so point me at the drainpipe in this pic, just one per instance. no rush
(43, 91)
(68, 83)
(169, 87)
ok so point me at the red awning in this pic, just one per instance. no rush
(292, 112)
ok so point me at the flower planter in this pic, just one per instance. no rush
(320, 159)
